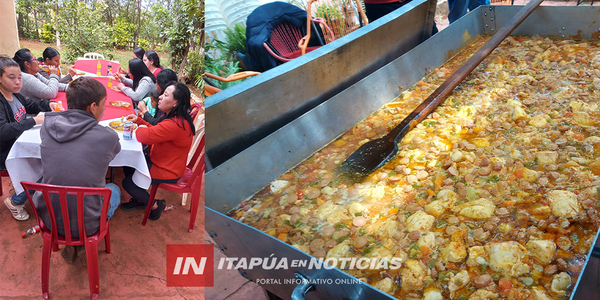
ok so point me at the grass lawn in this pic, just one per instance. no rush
(122, 56)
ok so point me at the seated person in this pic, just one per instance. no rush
(142, 83)
(51, 57)
(72, 139)
(171, 139)
(138, 52)
(14, 108)
(152, 61)
(165, 76)
(35, 86)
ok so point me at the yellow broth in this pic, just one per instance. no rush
(506, 164)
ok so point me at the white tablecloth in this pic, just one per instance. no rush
(24, 162)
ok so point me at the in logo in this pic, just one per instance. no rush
(190, 265)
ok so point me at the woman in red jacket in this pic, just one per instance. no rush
(171, 140)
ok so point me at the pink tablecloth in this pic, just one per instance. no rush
(90, 66)
(111, 112)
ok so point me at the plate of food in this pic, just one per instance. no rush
(115, 88)
(122, 104)
(118, 125)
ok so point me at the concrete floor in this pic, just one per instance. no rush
(135, 269)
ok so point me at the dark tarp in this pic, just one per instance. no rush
(260, 24)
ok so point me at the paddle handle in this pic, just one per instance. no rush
(440, 94)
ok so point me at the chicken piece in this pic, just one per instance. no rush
(478, 209)
(563, 203)
(539, 293)
(593, 140)
(355, 208)
(482, 294)
(385, 285)
(583, 119)
(340, 250)
(381, 252)
(530, 175)
(432, 294)
(477, 256)
(480, 143)
(387, 228)
(541, 209)
(543, 250)
(519, 114)
(412, 276)
(506, 257)
(325, 209)
(328, 191)
(420, 221)
(456, 251)
(546, 157)
(278, 186)
(458, 281)
(445, 199)
(427, 240)
(560, 283)
(539, 121)
(372, 193)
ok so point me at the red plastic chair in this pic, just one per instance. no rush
(194, 110)
(190, 182)
(283, 44)
(52, 239)
(2, 174)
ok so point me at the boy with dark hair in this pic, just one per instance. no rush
(76, 151)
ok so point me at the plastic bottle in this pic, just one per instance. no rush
(59, 107)
(98, 67)
(109, 73)
(30, 231)
(167, 208)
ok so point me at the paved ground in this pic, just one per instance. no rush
(135, 269)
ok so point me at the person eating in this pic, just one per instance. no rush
(142, 83)
(171, 140)
(35, 86)
(14, 120)
(51, 57)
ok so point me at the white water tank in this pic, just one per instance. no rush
(214, 24)
(236, 11)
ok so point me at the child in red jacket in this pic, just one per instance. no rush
(171, 140)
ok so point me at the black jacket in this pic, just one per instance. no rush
(159, 115)
(10, 129)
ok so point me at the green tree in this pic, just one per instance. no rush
(122, 33)
(83, 28)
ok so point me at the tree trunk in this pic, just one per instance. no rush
(20, 26)
(137, 31)
(56, 27)
(109, 13)
(35, 24)
(183, 61)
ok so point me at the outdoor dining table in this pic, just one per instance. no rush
(24, 159)
(90, 66)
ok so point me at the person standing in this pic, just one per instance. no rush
(375, 9)
(458, 8)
